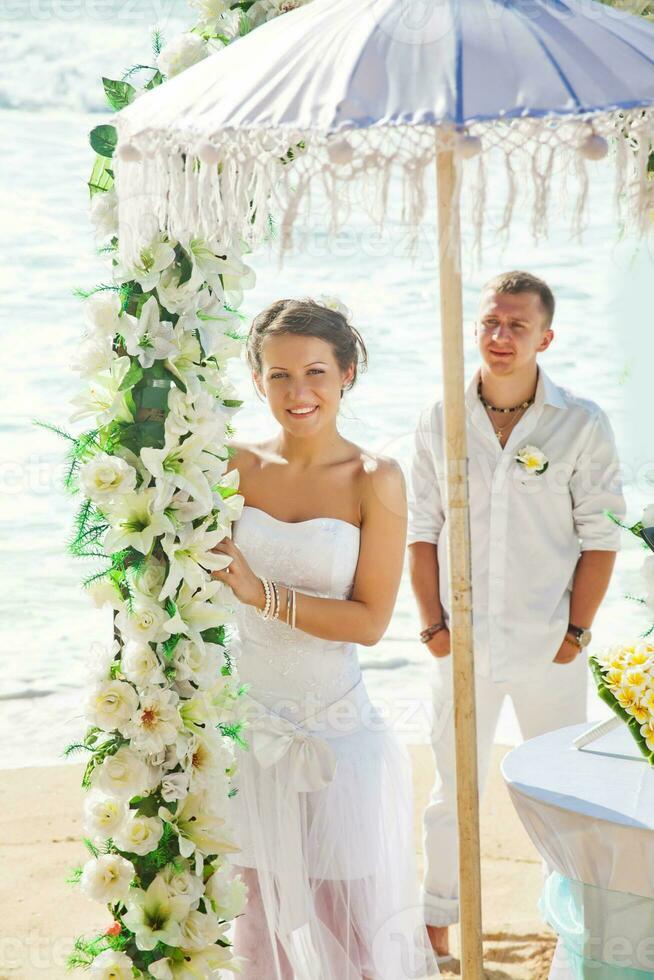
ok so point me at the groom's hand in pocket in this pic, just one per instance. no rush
(439, 645)
(567, 652)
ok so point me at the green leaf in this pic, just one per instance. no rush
(186, 266)
(102, 178)
(132, 377)
(103, 139)
(119, 94)
(156, 80)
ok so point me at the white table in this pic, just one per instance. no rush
(590, 813)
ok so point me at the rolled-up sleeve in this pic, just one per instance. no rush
(426, 513)
(596, 487)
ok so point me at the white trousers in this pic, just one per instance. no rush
(553, 697)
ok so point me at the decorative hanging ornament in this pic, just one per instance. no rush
(594, 147)
(340, 152)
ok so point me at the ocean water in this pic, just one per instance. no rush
(52, 56)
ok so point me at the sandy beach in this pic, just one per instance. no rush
(40, 843)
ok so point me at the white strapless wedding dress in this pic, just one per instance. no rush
(323, 812)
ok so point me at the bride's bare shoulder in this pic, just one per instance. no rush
(245, 456)
(381, 479)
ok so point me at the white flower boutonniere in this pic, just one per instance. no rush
(532, 460)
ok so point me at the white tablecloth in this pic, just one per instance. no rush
(590, 813)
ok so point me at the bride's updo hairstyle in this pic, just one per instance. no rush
(307, 318)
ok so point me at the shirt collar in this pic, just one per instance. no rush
(547, 393)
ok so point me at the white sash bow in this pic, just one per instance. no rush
(311, 759)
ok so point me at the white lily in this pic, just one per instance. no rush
(212, 321)
(102, 400)
(209, 962)
(178, 465)
(152, 261)
(135, 521)
(225, 272)
(154, 916)
(184, 356)
(190, 557)
(196, 611)
(201, 827)
(147, 337)
(190, 410)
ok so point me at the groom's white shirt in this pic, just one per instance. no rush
(527, 531)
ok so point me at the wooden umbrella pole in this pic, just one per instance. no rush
(449, 247)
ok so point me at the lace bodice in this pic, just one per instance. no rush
(317, 556)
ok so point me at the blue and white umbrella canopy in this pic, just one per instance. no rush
(346, 91)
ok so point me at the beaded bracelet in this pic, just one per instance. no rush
(429, 631)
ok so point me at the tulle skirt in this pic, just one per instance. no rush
(324, 819)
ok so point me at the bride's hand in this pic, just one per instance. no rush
(238, 575)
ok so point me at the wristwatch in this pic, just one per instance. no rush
(581, 636)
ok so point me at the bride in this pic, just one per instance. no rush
(323, 808)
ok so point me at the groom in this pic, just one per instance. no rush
(543, 468)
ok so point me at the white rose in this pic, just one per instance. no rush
(172, 296)
(199, 929)
(104, 214)
(112, 964)
(143, 623)
(111, 705)
(174, 786)
(139, 834)
(103, 592)
(183, 882)
(123, 774)
(149, 578)
(107, 878)
(140, 665)
(103, 816)
(180, 53)
(105, 476)
(102, 310)
(228, 891)
(100, 658)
